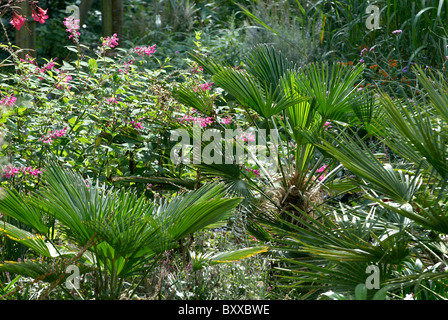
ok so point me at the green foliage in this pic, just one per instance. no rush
(355, 210)
(122, 232)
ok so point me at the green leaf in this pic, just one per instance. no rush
(34, 241)
(361, 292)
(232, 256)
(93, 65)
(381, 294)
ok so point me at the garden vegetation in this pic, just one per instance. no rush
(355, 206)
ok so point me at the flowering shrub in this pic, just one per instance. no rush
(106, 116)
(94, 114)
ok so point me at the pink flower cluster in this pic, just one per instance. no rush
(110, 42)
(136, 125)
(202, 121)
(28, 59)
(39, 16)
(195, 68)
(245, 136)
(204, 87)
(112, 100)
(8, 100)
(127, 65)
(9, 171)
(37, 70)
(65, 78)
(145, 50)
(72, 27)
(256, 172)
(327, 125)
(56, 134)
(18, 20)
(227, 120)
(320, 170)
(49, 66)
(140, 51)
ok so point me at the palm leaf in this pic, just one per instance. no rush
(22, 209)
(334, 88)
(40, 270)
(237, 255)
(355, 156)
(31, 240)
(265, 99)
(195, 210)
(268, 65)
(197, 99)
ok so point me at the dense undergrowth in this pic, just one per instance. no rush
(349, 202)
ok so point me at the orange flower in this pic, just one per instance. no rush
(393, 63)
(383, 73)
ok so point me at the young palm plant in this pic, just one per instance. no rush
(112, 233)
(409, 250)
(294, 101)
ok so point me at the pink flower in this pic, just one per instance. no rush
(227, 120)
(186, 117)
(327, 125)
(12, 171)
(204, 87)
(257, 172)
(8, 100)
(203, 122)
(57, 134)
(64, 78)
(17, 20)
(246, 136)
(136, 125)
(112, 100)
(35, 172)
(196, 68)
(145, 50)
(110, 42)
(127, 65)
(40, 16)
(72, 26)
(50, 65)
(60, 133)
(322, 169)
(47, 139)
(397, 31)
